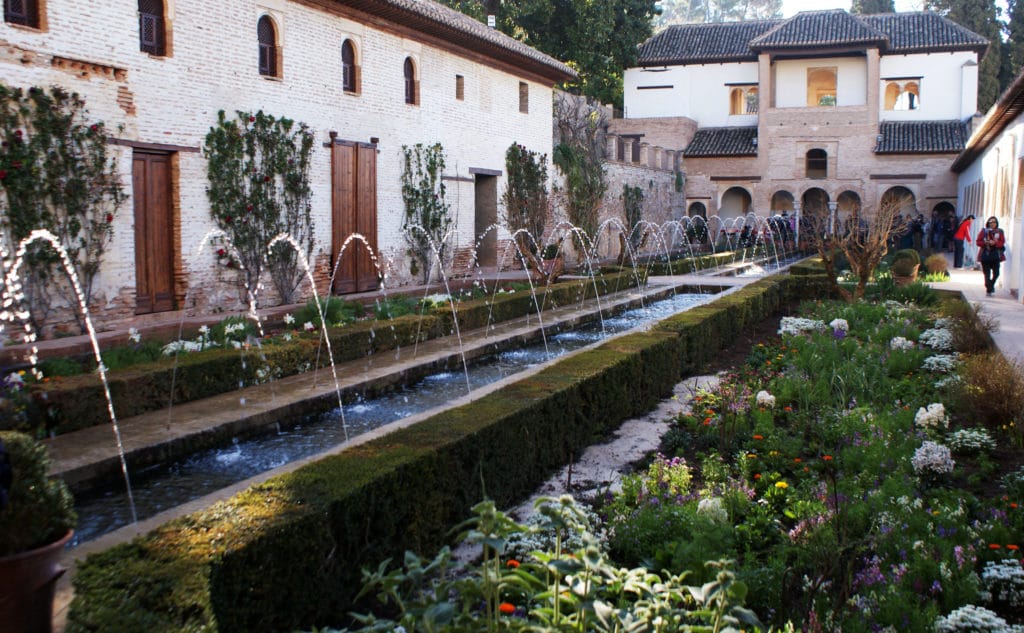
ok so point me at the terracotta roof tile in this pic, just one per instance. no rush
(819, 29)
(893, 33)
(432, 18)
(921, 137)
(722, 141)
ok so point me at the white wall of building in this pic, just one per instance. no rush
(213, 66)
(941, 84)
(791, 80)
(700, 92)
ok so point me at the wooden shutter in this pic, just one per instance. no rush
(354, 202)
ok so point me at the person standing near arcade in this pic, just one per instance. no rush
(991, 243)
(963, 233)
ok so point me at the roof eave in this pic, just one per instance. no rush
(1009, 106)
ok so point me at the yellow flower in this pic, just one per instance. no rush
(781, 485)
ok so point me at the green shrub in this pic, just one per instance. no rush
(40, 509)
(916, 292)
(336, 311)
(60, 366)
(126, 356)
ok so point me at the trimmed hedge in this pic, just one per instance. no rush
(77, 402)
(287, 554)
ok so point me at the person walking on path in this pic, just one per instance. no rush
(963, 233)
(991, 244)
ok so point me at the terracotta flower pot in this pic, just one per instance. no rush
(27, 583)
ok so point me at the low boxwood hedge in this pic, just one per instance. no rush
(286, 554)
(77, 402)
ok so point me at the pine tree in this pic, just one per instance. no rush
(1013, 60)
(982, 17)
(868, 7)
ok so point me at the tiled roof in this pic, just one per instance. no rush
(1003, 114)
(892, 33)
(449, 25)
(703, 43)
(819, 29)
(921, 137)
(924, 31)
(722, 141)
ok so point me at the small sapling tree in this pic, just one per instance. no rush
(428, 218)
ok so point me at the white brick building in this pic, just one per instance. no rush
(820, 110)
(163, 69)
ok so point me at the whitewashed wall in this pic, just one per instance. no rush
(700, 92)
(213, 66)
(791, 80)
(942, 85)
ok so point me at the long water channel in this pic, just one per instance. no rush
(167, 485)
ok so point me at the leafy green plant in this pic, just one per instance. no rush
(526, 195)
(127, 355)
(336, 311)
(394, 307)
(259, 188)
(579, 155)
(39, 508)
(916, 292)
(55, 174)
(633, 208)
(427, 220)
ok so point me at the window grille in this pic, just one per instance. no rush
(23, 12)
(267, 37)
(151, 27)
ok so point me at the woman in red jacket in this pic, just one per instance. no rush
(991, 242)
(963, 234)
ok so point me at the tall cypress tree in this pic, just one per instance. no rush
(867, 7)
(980, 16)
(1013, 58)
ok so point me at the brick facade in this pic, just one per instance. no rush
(172, 102)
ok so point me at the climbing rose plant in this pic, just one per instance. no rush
(427, 214)
(55, 174)
(258, 172)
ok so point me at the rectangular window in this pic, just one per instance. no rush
(23, 12)
(460, 87)
(524, 97)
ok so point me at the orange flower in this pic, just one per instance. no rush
(707, 421)
(797, 460)
(787, 408)
(1013, 547)
(758, 437)
(757, 476)
(826, 458)
(1013, 505)
(994, 546)
(507, 608)
(513, 563)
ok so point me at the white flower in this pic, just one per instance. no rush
(798, 325)
(974, 619)
(1004, 580)
(308, 326)
(900, 343)
(204, 330)
(933, 417)
(713, 510)
(940, 363)
(932, 459)
(839, 325)
(181, 346)
(437, 299)
(765, 399)
(937, 338)
(970, 441)
(289, 319)
(133, 335)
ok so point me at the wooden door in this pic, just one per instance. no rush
(354, 210)
(154, 232)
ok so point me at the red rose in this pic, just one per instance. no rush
(3, 174)
(110, 218)
(94, 127)
(221, 252)
(266, 179)
(248, 207)
(17, 133)
(227, 219)
(252, 119)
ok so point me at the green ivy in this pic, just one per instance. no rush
(55, 174)
(425, 205)
(633, 207)
(258, 172)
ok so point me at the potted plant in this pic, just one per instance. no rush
(37, 518)
(904, 266)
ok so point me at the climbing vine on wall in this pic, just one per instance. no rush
(427, 214)
(526, 194)
(633, 208)
(258, 172)
(55, 174)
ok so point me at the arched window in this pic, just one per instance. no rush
(902, 95)
(743, 100)
(817, 163)
(821, 86)
(152, 28)
(23, 12)
(349, 69)
(411, 96)
(267, 36)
